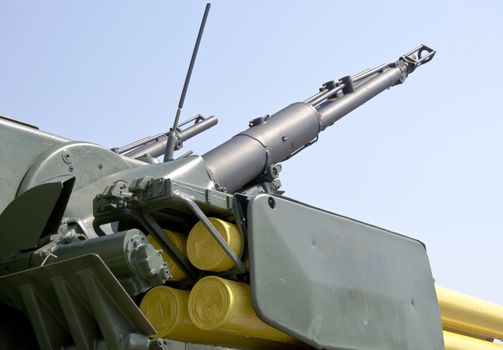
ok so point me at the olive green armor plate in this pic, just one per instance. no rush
(337, 283)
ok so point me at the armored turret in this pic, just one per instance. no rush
(133, 248)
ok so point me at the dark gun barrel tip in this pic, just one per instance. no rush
(417, 57)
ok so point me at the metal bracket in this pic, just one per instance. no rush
(145, 200)
(148, 223)
(77, 302)
(213, 231)
(167, 244)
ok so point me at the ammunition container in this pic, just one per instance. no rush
(470, 314)
(216, 304)
(181, 242)
(166, 309)
(205, 253)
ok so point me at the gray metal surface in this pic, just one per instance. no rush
(336, 283)
(45, 204)
(333, 110)
(269, 140)
(77, 302)
(156, 145)
(86, 161)
(20, 144)
(30, 157)
(238, 161)
(190, 170)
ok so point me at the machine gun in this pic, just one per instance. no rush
(123, 251)
(272, 139)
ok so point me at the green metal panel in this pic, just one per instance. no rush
(45, 204)
(77, 302)
(86, 161)
(20, 144)
(337, 283)
(188, 170)
(134, 262)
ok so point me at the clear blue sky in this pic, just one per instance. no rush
(423, 159)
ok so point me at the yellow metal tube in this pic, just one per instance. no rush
(453, 341)
(217, 304)
(166, 309)
(469, 314)
(205, 253)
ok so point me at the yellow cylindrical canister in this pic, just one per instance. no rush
(453, 341)
(181, 243)
(469, 314)
(205, 253)
(216, 304)
(166, 309)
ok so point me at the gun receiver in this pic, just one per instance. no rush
(272, 139)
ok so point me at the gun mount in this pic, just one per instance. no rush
(275, 138)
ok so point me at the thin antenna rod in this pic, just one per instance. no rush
(171, 143)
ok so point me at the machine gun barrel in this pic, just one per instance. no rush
(155, 146)
(272, 139)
